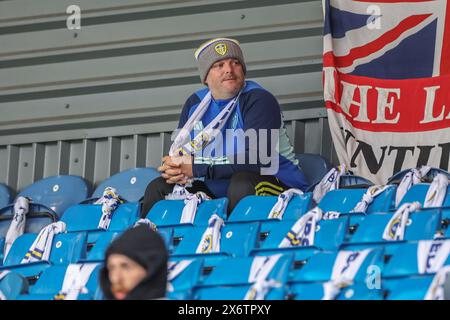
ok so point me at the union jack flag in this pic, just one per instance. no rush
(388, 39)
(387, 84)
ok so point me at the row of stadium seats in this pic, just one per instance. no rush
(247, 233)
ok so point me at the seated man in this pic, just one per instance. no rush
(234, 132)
(135, 266)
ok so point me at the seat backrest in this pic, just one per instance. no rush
(130, 184)
(58, 193)
(404, 260)
(66, 248)
(6, 195)
(418, 192)
(86, 217)
(13, 285)
(168, 212)
(344, 200)
(319, 268)
(34, 222)
(409, 288)
(329, 234)
(236, 240)
(257, 208)
(189, 277)
(51, 281)
(422, 226)
(314, 166)
(97, 253)
(234, 271)
(397, 177)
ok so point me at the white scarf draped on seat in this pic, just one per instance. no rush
(41, 248)
(175, 268)
(436, 192)
(345, 268)
(110, 200)
(437, 287)
(368, 197)
(259, 272)
(17, 227)
(329, 182)
(283, 200)
(414, 176)
(395, 229)
(432, 255)
(75, 280)
(210, 241)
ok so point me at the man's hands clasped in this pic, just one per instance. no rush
(176, 169)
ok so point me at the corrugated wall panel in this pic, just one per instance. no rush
(103, 99)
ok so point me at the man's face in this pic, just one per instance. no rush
(124, 275)
(225, 78)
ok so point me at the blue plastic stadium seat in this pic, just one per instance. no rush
(422, 226)
(349, 181)
(315, 291)
(396, 178)
(404, 261)
(57, 193)
(235, 284)
(409, 288)
(66, 248)
(344, 200)
(6, 195)
(85, 217)
(97, 252)
(314, 166)
(13, 285)
(418, 193)
(257, 208)
(51, 281)
(167, 213)
(130, 184)
(236, 240)
(329, 235)
(181, 287)
(319, 268)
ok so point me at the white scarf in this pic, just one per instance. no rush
(284, 198)
(210, 242)
(174, 270)
(259, 271)
(17, 227)
(42, 245)
(329, 182)
(395, 229)
(75, 280)
(146, 222)
(436, 289)
(183, 145)
(414, 176)
(191, 203)
(431, 255)
(368, 198)
(345, 268)
(110, 200)
(303, 231)
(436, 192)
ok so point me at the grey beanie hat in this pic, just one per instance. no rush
(217, 49)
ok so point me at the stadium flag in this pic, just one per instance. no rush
(386, 72)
